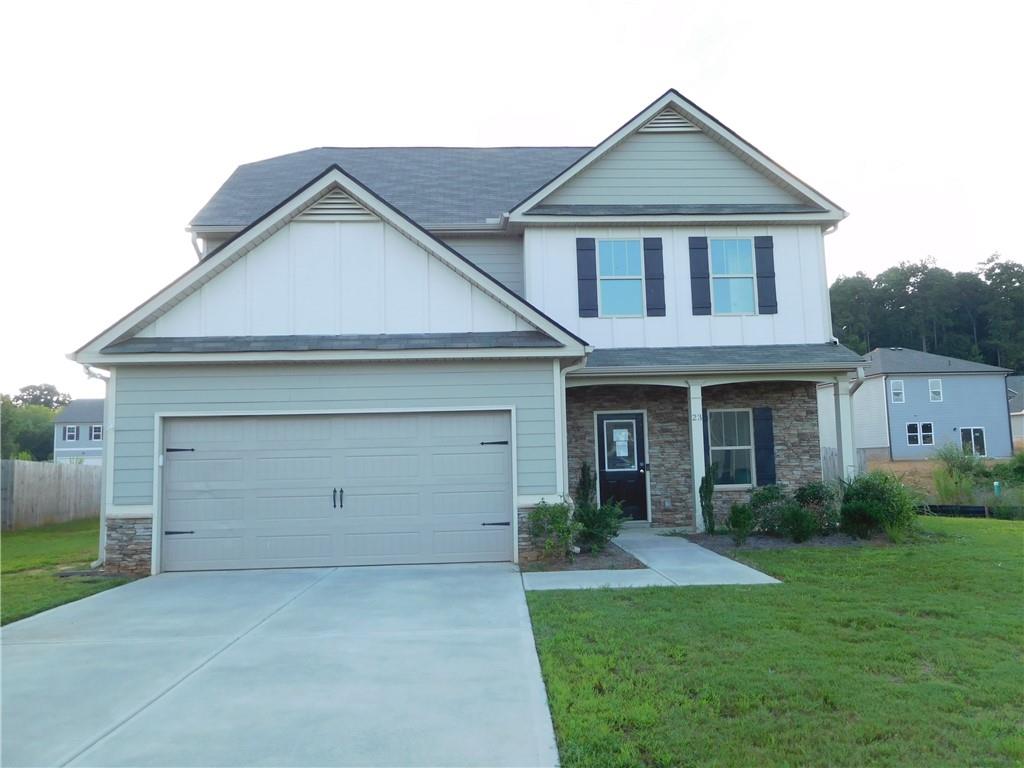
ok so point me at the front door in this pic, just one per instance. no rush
(622, 462)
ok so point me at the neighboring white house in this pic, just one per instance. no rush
(78, 433)
(910, 403)
(390, 355)
(1015, 397)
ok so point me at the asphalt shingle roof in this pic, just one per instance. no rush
(822, 356)
(435, 186)
(899, 360)
(81, 411)
(1015, 393)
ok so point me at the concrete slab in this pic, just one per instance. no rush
(412, 665)
(684, 563)
(596, 579)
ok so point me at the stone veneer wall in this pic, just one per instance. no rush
(129, 545)
(668, 441)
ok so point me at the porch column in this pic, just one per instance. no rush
(844, 429)
(697, 450)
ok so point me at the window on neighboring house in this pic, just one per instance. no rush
(620, 271)
(96, 432)
(972, 439)
(896, 390)
(731, 442)
(733, 280)
(935, 390)
(70, 433)
(920, 433)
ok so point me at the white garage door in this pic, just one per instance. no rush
(291, 491)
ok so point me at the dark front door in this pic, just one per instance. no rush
(622, 462)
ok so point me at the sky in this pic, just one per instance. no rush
(121, 120)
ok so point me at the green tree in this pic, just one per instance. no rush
(46, 395)
(26, 429)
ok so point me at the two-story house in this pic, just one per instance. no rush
(390, 355)
(909, 403)
(78, 432)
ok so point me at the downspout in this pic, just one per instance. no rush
(102, 550)
(580, 363)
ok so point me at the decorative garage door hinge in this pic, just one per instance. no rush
(179, 450)
(494, 442)
(505, 523)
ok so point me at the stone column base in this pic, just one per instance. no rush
(129, 546)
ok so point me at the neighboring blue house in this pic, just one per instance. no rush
(78, 433)
(909, 403)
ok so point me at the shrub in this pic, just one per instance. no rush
(959, 464)
(797, 522)
(1009, 472)
(877, 501)
(952, 488)
(767, 504)
(554, 530)
(707, 503)
(740, 522)
(599, 524)
(822, 500)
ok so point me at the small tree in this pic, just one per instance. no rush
(707, 504)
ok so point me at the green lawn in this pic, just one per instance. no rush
(909, 655)
(30, 559)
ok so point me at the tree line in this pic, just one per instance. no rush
(26, 422)
(976, 315)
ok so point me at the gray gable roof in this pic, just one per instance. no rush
(769, 356)
(435, 186)
(82, 411)
(890, 360)
(1015, 393)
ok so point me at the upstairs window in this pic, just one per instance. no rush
(96, 432)
(620, 272)
(935, 390)
(896, 390)
(70, 433)
(733, 279)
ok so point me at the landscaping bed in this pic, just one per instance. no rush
(32, 560)
(724, 544)
(611, 558)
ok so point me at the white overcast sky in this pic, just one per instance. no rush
(120, 120)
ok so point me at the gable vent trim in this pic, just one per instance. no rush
(669, 121)
(336, 205)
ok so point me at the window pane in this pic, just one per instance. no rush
(979, 442)
(731, 428)
(622, 297)
(606, 261)
(620, 445)
(732, 257)
(633, 257)
(716, 428)
(734, 295)
(732, 466)
(965, 441)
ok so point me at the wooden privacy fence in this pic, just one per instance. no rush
(36, 493)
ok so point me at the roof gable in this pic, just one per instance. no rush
(674, 159)
(268, 242)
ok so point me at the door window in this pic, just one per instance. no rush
(620, 446)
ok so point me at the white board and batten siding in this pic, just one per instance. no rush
(500, 257)
(666, 168)
(335, 277)
(143, 392)
(800, 283)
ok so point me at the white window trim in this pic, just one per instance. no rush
(933, 389)
(753, 453)
(636, 452)
(68, 429)
(920, 434)
(752, 276)
(892, 392)
(642, 277)
(931, 433)
(984, 438)
(92, 433)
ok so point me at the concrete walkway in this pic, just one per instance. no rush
(402, 665)
(671, 561)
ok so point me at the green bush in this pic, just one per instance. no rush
(953, 488)
(599, 524)
(821, 500)
(554, 530)
(797, 522)
(877, 501)
(957, 463)
(767, 504)
(1009, 472)
(740, 522)
(707, 503)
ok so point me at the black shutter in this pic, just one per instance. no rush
(764, 446)
(764, 252)
(586, 275)
(700, 276)
(654, 277)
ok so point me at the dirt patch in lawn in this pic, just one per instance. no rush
(613, 558)
(724, 545)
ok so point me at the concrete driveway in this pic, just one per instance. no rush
(401, 665)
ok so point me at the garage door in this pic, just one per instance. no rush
(282, 491)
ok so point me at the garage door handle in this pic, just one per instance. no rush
(176, 533)
(505, 523)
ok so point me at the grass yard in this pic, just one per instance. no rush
(30, 559)
(908, 655)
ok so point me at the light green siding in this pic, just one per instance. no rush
(664, 168)
(144, 391)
